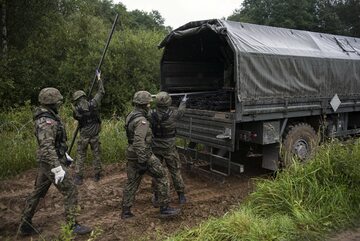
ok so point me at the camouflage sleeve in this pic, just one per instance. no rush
(76, 115)
(181, 110)
(140, 144)
(46, 134)
(149, 117)
(99, 94)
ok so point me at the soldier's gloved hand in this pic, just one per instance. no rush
(59, 174)
(69, 160)
(98, 74)
(142, 167)
(185, 98)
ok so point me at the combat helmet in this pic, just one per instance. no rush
(78, 94)
(49, 96)
(142, 98)
(163, 99)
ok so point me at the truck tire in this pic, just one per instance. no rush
(300, 141)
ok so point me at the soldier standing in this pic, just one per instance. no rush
(51, 156)
(87, 113)
(141, 159)
(163, 124)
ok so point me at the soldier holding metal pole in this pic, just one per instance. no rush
(87, 113)
(163, 124)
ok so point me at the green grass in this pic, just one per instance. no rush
(305, 202)
(18, 143)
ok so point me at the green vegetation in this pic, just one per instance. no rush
(305, 202)
(335, 16)
(18, 142)
(59, 44)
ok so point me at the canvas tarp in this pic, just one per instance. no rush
(277, 62)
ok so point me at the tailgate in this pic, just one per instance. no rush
(211, 128)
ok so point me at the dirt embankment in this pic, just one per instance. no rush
(101, 205)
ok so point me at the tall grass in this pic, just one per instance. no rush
(18, 143)
(305, 202)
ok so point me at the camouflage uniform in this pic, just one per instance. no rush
(51, 138)
(139, 150)
(87, 114)
(141, 159)
(163, 122)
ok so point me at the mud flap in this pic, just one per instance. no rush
(270, 156)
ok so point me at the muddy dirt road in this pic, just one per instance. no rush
(100, 205)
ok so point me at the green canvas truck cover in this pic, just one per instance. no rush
(275, 62)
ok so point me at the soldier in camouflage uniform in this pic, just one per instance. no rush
(51, 156)
(141, 159)
(163, 125)
(88, 115)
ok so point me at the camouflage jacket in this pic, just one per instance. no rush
(165, 118)
(88, 113)
(139, 136)
(51, 137)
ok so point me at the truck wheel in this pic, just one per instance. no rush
(300, 142)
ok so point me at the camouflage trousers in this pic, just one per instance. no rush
(156, 171)
(170, 159)
(43, 182)
(83, 143)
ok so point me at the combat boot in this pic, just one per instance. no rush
(182, 198)
(155, 200)
(27, 228)
(81, 229)
(97, 177)
(167, 211)
(78, 180)
(126, 213)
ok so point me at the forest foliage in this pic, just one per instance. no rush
(328, 16)
(59, 43)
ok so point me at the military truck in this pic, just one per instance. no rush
(260, 91)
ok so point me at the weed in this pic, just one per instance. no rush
(304, 202)
(18, 142)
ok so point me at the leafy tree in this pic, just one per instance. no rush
(330, 16)
(348, 12)
(297, 14)
(59, 43)
(144, 20)
(3, 28)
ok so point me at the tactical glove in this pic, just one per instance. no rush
(142, 167)
(69, 160)
(98, 74)
(59, 174)
(185, 98)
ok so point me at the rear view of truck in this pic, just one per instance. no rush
(259, 91)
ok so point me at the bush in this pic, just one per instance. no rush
(19, 145)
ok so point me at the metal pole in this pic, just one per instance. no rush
(93, 82)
